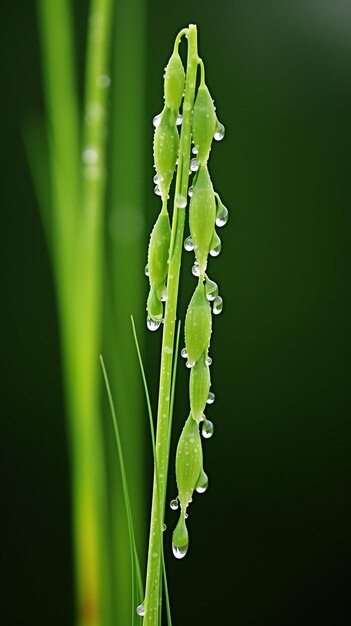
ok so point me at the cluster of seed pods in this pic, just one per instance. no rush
(206, 211)
(166, 146)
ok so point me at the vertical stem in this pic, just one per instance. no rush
(153, 575)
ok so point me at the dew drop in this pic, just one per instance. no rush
(190, 191)
(195, 150)
(141, 609)
(153, 324)
(222, 217)
(146, 269)
(202, 482)
(215, 251)
(103, 81)
(157, 119)
(188, 244)
(195, 270)
(184, 353)
(164, 295)
(179, 119)
(207, 429)
(219, 132)
(181, 201)
(208, 361)
(155, 179)
(179, 551)
(90, 156)
(164, 527)
(157, 190)
(211, 397)
(190, 364)
(211, 289)
(194, 166)
(174, 504)
(217, 305)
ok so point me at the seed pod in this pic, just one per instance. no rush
(199, 386)
(198, 324)
(188, 461)
(166, 144)
(202, 216)
(158, 251)
(204, 123)
(154, 305)
(174, 82)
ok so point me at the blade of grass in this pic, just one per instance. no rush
(135, 565)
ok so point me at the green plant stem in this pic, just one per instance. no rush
(153, 575)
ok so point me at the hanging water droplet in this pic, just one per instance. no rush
(146, 269)
(202, 482)
(211, 289)
(190, 191)
(195, 150)
(90, 156)
(190, 364)
(164, 294)
(153, 324)
(216, 250)
(207, 429)
(211, 397)
(157, 119)
(179, 119)
(179, 551)
(195, 270)
(164, 527)
(217, 305)
(141, 609)
(188, 244)
(194, 166)
(219, 132)
(222, 218)
(208, 361)
(155, 179)
(186, 516)
(181, 201)
(157, 190)
(184, 353)
(174, 504)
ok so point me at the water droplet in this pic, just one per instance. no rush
(202, 483)
(195, 150)
(179, 552)
(216, 245)
(157, 119)
(208, 361)
(190, 364)
(103, 81)
(211, 289)
(90, 156)
(207, 429)
(222, 217)
(219, 132)
(195, 270)
(179, 119)
(211, 397)
(146, 269)
(181, 201)
(186, 516)
(155, 179)
(184, 353)
(164, 527)
(194, 166)
(217, 305)
(188, 244)
(153, 324)
(164, 294)
(190, 191)
(140, 609)
(157, 190)
(174, 504)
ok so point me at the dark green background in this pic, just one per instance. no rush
(270, 542)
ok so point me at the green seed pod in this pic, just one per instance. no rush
(154, 305)
(204, 123)
(158, 251)
(174, 82)
(188, 461)
(166, 144)
(198, 324)
(199, 386)
(202, 216)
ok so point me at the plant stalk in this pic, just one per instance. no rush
(153, 593)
